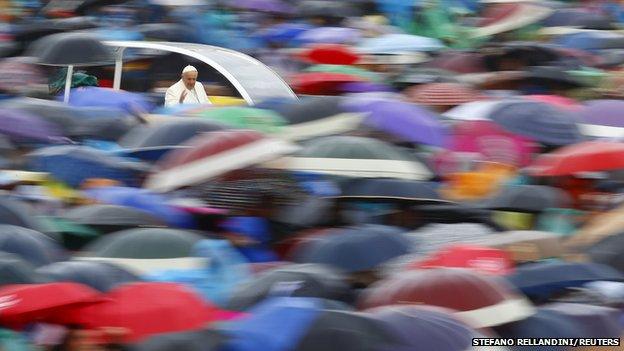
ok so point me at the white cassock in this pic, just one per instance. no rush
(195, 96)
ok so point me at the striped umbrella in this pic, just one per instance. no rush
(443, 94)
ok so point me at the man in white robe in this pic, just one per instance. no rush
(187, 90)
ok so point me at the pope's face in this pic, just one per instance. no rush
(189, 79)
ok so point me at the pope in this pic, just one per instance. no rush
(187, 90)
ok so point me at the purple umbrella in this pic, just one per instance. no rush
(22, 126)
(275, 6)
(329, 35)
(404, 120)
(603, 112)
(364, 87)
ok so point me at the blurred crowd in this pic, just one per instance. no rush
(447, 170)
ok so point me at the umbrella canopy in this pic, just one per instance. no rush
(166, 134)
(355, 249)
(273, 6)
(296, 280)
(426, 327)
(17, 213)
(608, 251)
(264, 121)
(197, 340)
(70, 49)
(484, 302)
(591, 156)
(528, 198)
(492, 143)
(479, 258)
(393, 43)
(423, 76)
(542, 280)
(22, 126)
(73, 165)
(406, 121)
(34, 247)
(329, 35)
(112, 216)
(15, 270)
(215, 153)
(173, 32)
(18, 76)
(597, 321)
(602, 118)
(443, 94)
(110, 98)
(139, 307)
(283, 32)
(332, 54)
(100, 276)
(305, 325)
(526, 246)
(591, 40)
(344, 69)
(538, 121)
(376, 189)
(322, 83)
(476, 110)
(502, 18)
(577, 17)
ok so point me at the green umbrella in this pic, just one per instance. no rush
(344, 69)
(73, 235)
(14, 341)
(264, 121)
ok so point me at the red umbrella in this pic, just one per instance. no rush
(330, 54)
(556, 100)
(21, 304)
(443, 94)
(482, 259)
(591, 156)
(146, 309)
(322, 83)
(480, 300)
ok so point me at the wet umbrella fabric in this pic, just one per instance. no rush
(591, 156)
(17, 213)
(22, 126)
(197, 340)
(100, 276)
(528, 198)
(388, 189)
(608, 251)
(109, 98)
(15, 270)
(32, 246)
(112, 215)
(70, 49)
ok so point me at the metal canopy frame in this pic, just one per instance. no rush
(253, 80)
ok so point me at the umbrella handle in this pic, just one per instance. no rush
(68, 81)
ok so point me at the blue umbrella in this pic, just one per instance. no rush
(283, 32)
(538, 121)
(101, 276)
(577, 17)
(356, 249)
(596, 321)
(329, 35)
(591, 40)
(397, 43)
(145, 200)
(15, 212)
(389, 189)
(106, 97)
(542, 280)
(75, 164)
(117, 34)
(32, 246)
(22, 126)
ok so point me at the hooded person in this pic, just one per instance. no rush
(187, 90)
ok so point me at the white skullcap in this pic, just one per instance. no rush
(189, 69)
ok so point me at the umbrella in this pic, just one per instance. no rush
(110, 98)
(528, 198)
(264, 121)
(365, 87)
(29, 303)
(602, 118)
(34, 247)
(591, 40)
(542, 280)
(296, 280)
(305, 325)
(166, 134)
(492, 143)
(322, 83)
(423, 76)
(354, 157)
(70, 49)
(463, 62)
(479, 258)
(526, 246)
(484, 302)
(538, 121)
(145, 200)
(597, 321)
(427, 327)
(15, 270)
(196, 340)
(61, 115)
(329, 35)
(100, 276)
(377, 189)
(213, 154)
(607, 251)
(398, 43)
(577, 17)
(503, 18)
(273, 6)
(442, 94)
(344, 69)
(18, 75)
(139, 307)
(327, 9)
(22, 126)
(317, 116)
(172, 32)
(406, 121)
(356, 249)
(112, 216)
(590, 156)
(334, 54)
(476, 110)
(17, 213)
(74, 164)
(283, 32)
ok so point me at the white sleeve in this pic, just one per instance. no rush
(170, 98)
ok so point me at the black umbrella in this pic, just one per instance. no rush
(456, 213)
(111, 218)
(101, 276)
(34, 247)
(17, 213)
(609, 251)
(424, 76)
(168, 133)
(167, 32)
(76, 6)
(299, 280)
(311, 109)
(327, 9)
(197, 340)
(528, 198)
(14, 270)
(389, 189)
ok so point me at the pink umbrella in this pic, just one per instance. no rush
(492, 142)
(556, 100)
